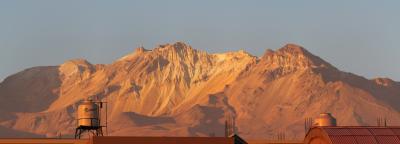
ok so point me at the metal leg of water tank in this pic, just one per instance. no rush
(78, 133)
(99, 131)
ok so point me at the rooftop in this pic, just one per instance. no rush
(353, 135)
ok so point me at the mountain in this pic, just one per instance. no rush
(291, 84)
(175, 90)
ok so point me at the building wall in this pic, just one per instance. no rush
(44, 141)
(161, 140)
(318, 140)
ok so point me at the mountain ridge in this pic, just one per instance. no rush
(176, 90)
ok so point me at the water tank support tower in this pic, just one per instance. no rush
(89, 118)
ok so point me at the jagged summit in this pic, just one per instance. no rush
(268, 52)
(76, 65)
(293, 48)
(177, 50)
(177, 46)
(140, 49)
(288, 49)
(181, 45)
(293, 55)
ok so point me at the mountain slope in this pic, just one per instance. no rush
(289, 85)
(177, 90)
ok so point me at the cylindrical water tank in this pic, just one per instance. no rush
(325, 119)
(88, 114)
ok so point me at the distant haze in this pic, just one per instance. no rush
(356, 36)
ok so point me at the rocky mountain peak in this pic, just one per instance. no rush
(293, 49)
(79, 63)
(176, 47)
(293, 55)
(76, 66)
(177, 52)
(140, 49)
(181, 45)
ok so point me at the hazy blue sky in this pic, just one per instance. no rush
(358, 36)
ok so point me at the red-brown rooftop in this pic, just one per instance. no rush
(353, 135)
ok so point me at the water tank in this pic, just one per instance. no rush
(325, 119)
(88, 114)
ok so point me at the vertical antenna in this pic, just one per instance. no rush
(106, 93)
(106, 118)
(305, 125)
(99, 107)
(281, 135)
(385, 124)
(377, 121)
(229, 125)
(284, 136)
(278, 136)
(232, 125)
(380, 121)
(226, 128)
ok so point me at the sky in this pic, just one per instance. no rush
(357, 36)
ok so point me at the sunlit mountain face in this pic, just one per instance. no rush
(176, 90)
